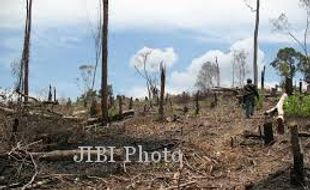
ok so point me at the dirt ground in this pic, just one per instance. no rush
(216, 154)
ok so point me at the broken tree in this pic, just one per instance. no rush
(26, 49)
(297, 173)
(279, 109)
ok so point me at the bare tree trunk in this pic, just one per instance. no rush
(25, 55)
(218, 78)
(255, 69)
(130, 103)
(55, 95)
(263, 78)
(162, 90)
(197, 107)
(50, 96)
(104, 77)
(297, 174)
(120, 105)
(233, 71)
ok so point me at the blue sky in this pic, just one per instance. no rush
(196, 30)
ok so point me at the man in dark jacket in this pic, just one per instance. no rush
(250, 92)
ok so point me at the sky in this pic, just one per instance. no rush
(183, 34)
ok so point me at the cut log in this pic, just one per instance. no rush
(297, 173)
(279, 109)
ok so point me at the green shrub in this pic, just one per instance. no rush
(298, 106)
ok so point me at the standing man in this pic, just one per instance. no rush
(250, 92)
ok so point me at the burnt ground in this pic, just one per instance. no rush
(216, 154)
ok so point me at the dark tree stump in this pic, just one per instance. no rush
(297, 173)
(280, 127)
(268, 132)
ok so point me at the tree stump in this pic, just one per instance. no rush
(297, 173)
(268, 132)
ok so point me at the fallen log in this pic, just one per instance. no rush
(279, 109)
(7, 110)
(67, 155)
(30, 97)
(303, 134)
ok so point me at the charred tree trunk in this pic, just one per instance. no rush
(297, 173)
(130, 103)
(120, 105)
(26, 49)
(104, 72)
(268, 132)
(55, 95)
(300, 87)
(197, 107)
(263, 78)
(255, 69)
(50, 96)
(162, 90)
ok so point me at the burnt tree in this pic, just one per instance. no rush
(297, 173)
(26, 50)
(130, 103)
(197, 107)
(263, 78)
(162, 90)
(255, 67)
(55, 95)
(50, 95)
(104, 71)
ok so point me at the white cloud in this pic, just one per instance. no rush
(214, 18)
(168, 56)
(136, 92)
(185, 80)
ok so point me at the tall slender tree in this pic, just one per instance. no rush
(26, 49)
(104, 72)
(255, 67)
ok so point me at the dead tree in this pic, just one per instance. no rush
(50, 96)
(104, 71)
(26, 49)
(55, 95)
(162, 90)
(120, 104)
(263, 78)
(300, 87)
(197, 107)
(297, 173)
(130, 103)
(256, 11)
(255, 70)
(218, 78)
(279, 109)
(268, 132)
